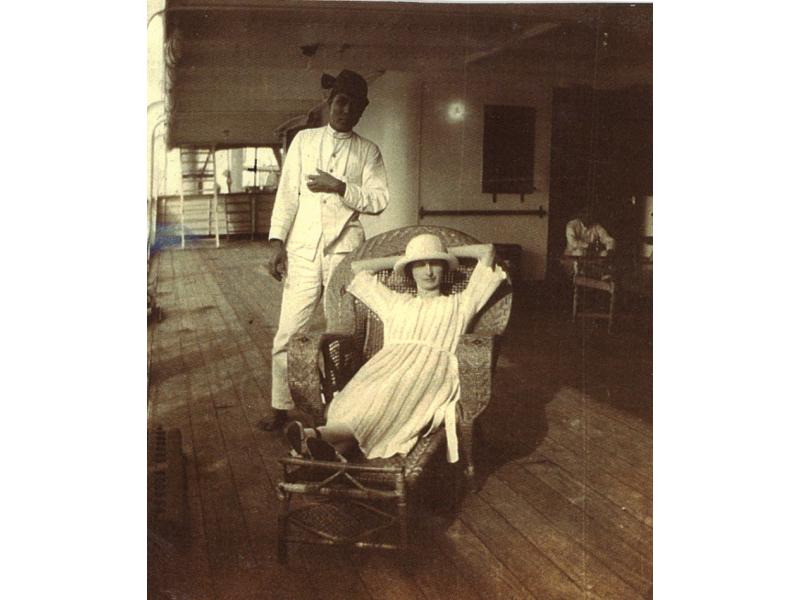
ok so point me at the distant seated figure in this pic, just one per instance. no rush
(586, 237)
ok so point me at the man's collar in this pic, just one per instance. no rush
(339, 135)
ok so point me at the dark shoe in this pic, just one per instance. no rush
(276, 419)
(319, 449)
(296, 437)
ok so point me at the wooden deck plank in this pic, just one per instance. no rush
(611, 462)
(540, 576)
(435, 573)
(384, 577)
(569, 519)
(618, 422)
(618, 429)
(489, 576)
(590, 574)
(584, 421)
(333, 571)
(252, 382)
(588, 469)
(636, 533)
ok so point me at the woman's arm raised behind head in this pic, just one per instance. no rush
(374, 264)
(484, 253)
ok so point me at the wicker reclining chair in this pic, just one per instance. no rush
(365, 503)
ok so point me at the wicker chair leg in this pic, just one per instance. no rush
(456, 484)
(467, 435)
(574, 301)
(406, 559)
(402, 510)
(611, 308)
(283, 518)
(282, 550)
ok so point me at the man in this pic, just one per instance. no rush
(330, 176)
(587, 237)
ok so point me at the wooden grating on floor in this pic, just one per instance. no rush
(565, 461)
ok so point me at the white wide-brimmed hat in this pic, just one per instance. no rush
(425, 246)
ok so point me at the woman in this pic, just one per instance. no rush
(411, 386)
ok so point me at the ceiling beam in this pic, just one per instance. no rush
(528, 34)
(551, 12)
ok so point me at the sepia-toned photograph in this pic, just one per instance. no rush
(399, 300)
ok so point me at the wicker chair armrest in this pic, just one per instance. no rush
(318, 364)
(475, 353)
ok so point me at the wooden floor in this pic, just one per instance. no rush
(565, 466)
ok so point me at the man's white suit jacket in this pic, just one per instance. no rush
(301, 216)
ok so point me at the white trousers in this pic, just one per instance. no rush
(302, 289)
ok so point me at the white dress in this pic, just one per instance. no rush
(412, 383)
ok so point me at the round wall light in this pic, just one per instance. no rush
(456, 111)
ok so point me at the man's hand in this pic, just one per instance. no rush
(276, 259)
(324, 182)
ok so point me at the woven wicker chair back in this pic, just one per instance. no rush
(347, 314)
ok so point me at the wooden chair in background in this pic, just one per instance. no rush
(593, 274)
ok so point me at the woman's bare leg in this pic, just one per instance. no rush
(340, 436)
